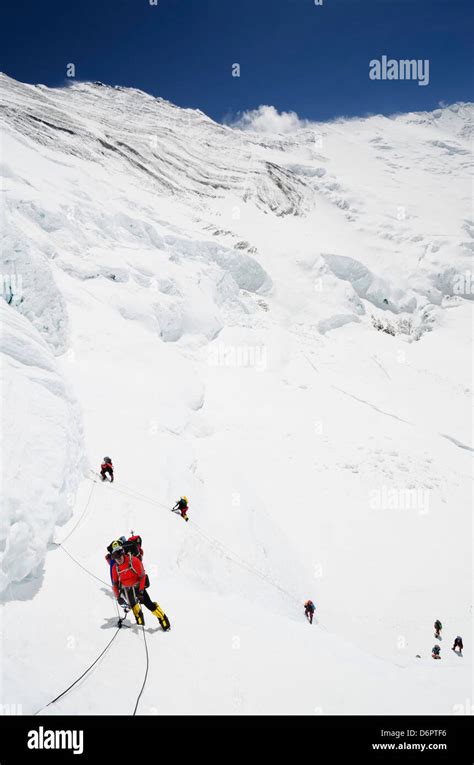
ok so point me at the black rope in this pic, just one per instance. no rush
(92, 575)
(83, 514)
(224, 551)
(146, 672)
(83, 567)
(106, 647)
(133, 494)
(236, 559)
(84, 673)
(121, 620)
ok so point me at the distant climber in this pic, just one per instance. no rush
(437, 628)
(107, 469)
(435, 652)
(309, 609)
(129, 581)
(458, 646)
(182, 507)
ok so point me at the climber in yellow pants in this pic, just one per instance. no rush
(129, 581)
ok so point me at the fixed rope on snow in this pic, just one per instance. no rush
(79, 678)
(146, 672)
(83, 567)
(226, 552)
(82, 516)
(119, 624)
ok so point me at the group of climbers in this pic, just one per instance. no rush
(127, 576)
(436, 650)
(125, 558)
(107, 469)
(130, 581)
(310, 608)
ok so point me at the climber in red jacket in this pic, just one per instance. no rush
(129, 580)
(107, 469)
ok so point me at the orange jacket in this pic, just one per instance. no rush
(129, 574)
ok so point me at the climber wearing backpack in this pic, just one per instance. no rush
(437, 628)
(309, 609)
(182, 507)
(458, 646)
(435, 652)
(131, 545)
(129, 581)
(107, 469)
(109, 558)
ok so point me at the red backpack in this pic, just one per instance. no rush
(136, 540)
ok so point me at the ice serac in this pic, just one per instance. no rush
(42, 451)
(367, 285)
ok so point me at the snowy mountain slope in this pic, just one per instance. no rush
(273, 326)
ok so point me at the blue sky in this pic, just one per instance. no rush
(293, 54)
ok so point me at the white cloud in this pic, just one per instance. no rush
(267, 119)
